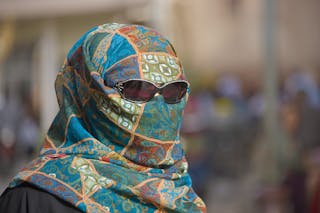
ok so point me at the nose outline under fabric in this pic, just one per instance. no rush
(159, 98)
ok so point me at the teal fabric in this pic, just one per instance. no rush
(106, 154)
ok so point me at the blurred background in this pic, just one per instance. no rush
(251, 125)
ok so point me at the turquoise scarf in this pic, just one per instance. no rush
(106, 154)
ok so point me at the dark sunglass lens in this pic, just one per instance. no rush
(174, 92)
(136, 90)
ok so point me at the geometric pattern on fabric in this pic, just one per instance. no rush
(146, 39)
(116, 108)
(125, 69)
(103, 153)
(165, 127)
(160, 68)
(118, 49)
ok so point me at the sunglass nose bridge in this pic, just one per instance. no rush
(158, 91)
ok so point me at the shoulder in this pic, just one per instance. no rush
(27, 198)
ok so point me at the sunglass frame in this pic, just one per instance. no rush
(119, 87)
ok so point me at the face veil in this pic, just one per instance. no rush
(104, 153)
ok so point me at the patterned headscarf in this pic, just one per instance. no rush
(103, 153)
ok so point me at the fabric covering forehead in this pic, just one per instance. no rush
(106, 154)
(120, 52)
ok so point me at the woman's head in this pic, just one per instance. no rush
(107, 150)
(130, 118)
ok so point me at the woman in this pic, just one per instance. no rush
(114, 145)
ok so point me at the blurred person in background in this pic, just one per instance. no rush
(235, 114)
(197, 121)
(9, 121)
(295, 177)
(28, 132)
(114, 145)
(300, 116)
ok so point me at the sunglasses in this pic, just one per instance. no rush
(138, 90)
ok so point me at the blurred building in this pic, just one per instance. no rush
(221, 44)
(35, 37)
(210, 37)
(227, 35)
